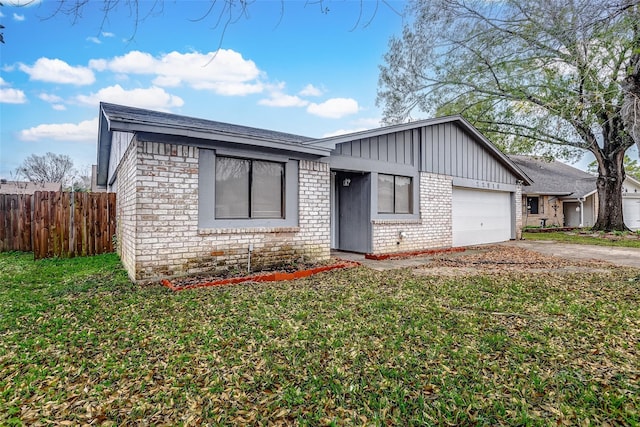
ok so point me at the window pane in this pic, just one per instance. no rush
(532, 205)
(385, 193)
(266, 190)
(403, 194)
(232, 188)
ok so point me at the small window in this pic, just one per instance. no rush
(532, 205)
(394, 194)
(248, 189)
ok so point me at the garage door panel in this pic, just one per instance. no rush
(631, 212)
(480, 216)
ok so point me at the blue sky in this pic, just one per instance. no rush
(303, 71)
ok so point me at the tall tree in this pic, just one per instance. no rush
(631, 167)
(538, 76)
(50, 167)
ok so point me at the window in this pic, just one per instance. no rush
(533, 205)
(394, 194)
(248, 189)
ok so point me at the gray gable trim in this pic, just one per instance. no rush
(331, 142)
(128, 119)
(555, 178)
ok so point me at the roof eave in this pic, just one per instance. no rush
(117, 124)
(104, 148)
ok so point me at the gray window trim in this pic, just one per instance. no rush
(415, 202)
(207, 196)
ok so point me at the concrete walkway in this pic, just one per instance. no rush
(628, 257)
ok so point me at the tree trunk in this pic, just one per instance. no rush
(609, 184)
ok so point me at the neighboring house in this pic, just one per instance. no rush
(197, 195)
(562, 195)
(631, 202)
(26, 187)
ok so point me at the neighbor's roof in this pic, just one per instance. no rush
(129, 119)
(25, 187)
(555, 178)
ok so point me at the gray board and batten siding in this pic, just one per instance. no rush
(446, 149)
(443, 149)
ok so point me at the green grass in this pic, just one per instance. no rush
(80, 344)
(583, 239)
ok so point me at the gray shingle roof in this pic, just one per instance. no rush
(555, 178)
(139, 116)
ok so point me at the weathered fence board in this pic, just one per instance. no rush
(58, 224)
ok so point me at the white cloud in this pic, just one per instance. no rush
(343, 132)
(50, 98)
(107, 34)
(310, 90)
(224, 72)
(12, 96)
(369, 123)
(154, 98)
(58, 71)
(85, 131)
(1, 15)
(334, 108)
(94, 39)
(98, 64)
(279, 99)
(54, 100)
(18, 18)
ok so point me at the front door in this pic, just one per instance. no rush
(353, 192)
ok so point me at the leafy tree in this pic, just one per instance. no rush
(537, 76)
(47, 168)
(631, 167)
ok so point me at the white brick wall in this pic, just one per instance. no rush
(432, 230)
(166, 240)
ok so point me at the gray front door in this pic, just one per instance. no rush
(354, 211)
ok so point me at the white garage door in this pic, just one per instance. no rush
(631, 212)
(480, 216)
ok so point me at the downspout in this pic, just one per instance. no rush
(581, 201)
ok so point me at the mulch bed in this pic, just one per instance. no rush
(284, 273)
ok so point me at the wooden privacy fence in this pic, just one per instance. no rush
(62, 224)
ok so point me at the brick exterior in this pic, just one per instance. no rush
(518, 201)
(125, 187)
(158, 218)
(432, 230)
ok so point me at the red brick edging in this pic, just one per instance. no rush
(380, 257)
(266, 277)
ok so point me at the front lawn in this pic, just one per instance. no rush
(626, 240)
(80, 344)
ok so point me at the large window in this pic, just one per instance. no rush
(394, 194)
(249, 189)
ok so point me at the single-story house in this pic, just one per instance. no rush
(562, 195)
(197, 195)
(27, 187)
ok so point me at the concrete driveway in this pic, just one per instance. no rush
(628, 257)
